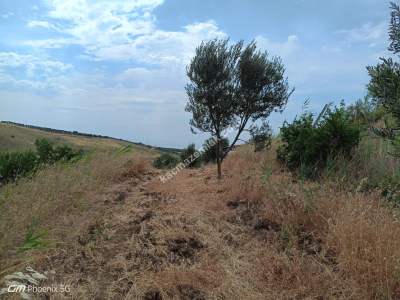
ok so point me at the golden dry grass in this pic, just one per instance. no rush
(258, 234)
(14, 137)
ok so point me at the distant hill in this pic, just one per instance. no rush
(17, 136)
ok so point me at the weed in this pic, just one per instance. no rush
(34, 238)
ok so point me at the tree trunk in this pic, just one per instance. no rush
(219, 168)
(219, 158)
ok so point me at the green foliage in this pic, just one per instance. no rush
(16, 164)
(390, 189)
(44, 150)
(33, 240)
(190, 157)
(384, 85)
(233, 87)
(394, 29)
(165, 161)
(210, 149)
(124, 149)
(261, 137)
(365, 112)
(47, 153)
(308, 146)
(266, 173)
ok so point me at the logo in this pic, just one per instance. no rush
(16, 288)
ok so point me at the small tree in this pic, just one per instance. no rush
(188, 156)
(261, 137)
(384, 85)
(233, 87)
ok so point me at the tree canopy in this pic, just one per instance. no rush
(384, 85)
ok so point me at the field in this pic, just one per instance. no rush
(16, 137)
(260, 233)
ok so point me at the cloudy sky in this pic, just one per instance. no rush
(117, 67)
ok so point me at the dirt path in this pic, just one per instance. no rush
(143, 234)
(173, 240)
(151, 240)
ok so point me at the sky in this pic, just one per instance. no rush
(117, 67)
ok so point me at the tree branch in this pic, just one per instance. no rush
(242, 125)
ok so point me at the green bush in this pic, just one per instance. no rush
(47, 153)
(165, 161)
(22, 163)
(190, 157)
(44, 150)
(66, 153)
(16, 164)
(390, 189)
(366, 112)
(308, 145)
(261, 137)
(210, 149)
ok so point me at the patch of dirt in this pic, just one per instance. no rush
(236, 203)
(94, 231)
(308, 243)
(184, 249)
(120, 196)
(188, 292)
(144, 216)
(153, 294)
(265, 224)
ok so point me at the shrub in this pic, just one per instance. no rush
(261, 137)
(66, 153)
(366, 112)
(165, 161)
(390, 189)
(190, 157)
(49, 154)
(44, 150)
(16, 164)
(210, 149)
(308, 145)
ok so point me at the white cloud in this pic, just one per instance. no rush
(371, 33)
(163, 47)
(40, 73)
(283, 49)
(31, 64)
(44, 24)
(121, 30)
(95, 25)
(49, 43)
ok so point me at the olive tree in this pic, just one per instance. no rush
(384, 85)
(233, 87)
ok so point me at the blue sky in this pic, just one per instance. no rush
(117, 67)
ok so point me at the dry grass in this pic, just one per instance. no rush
(257, 234)
(370, 163)
(60, 199)
(14, 137)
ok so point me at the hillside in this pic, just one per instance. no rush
(15, 136)
(258, 234)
